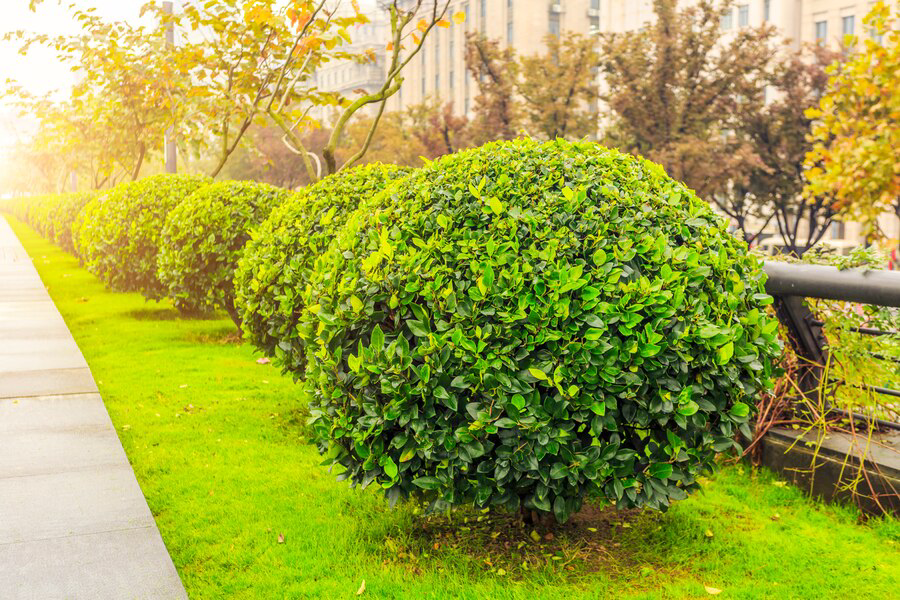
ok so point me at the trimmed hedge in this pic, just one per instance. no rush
(203, 237)
(524, 325)
(117, 234)
(276, 263)
(63, 216)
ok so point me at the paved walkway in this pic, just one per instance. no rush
(73, 521)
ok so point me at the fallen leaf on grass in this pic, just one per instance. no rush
(263, 361)
(535, 536)
(776, 516)
(711, 590)
(708, 533)
(362, 588)
(280, 538)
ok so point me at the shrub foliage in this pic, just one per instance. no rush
(117, 234)
(524, 325)
(203, 237)
(63, 217)
(275, 267)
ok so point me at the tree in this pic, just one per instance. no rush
(550, 95)
(559, 88)
(497, 113)
(777, 133)
(673, 91)
(294, 94)
(249, 57)
(437, 128)
(856, 136)
(125, 81)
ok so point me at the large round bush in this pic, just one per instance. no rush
(276, 263)
(118, 233)
(63, 216)
(526, 324)
(203, 237)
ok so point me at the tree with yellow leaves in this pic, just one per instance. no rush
(857, 129)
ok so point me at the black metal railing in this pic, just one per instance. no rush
(790, 284)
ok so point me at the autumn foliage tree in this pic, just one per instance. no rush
(854, 159)
(548, 95)
(497, 113)
(294, 93)
(673, 91)
(775, 125)
(127, 89)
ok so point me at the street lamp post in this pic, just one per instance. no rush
(171, 151)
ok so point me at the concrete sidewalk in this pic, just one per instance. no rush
(73, 521)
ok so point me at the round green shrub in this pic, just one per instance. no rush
(118, 233)
(203, 237)
(63, 216)
(525, 325)
(276, 262)
(38, 211)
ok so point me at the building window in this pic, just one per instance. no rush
(821, 31)
(509, 22)
(838, 231)
(847, 25)
(743, 15)
(726, 21)
(452, 60)
(483, 15)
(555, 10)
(767, 10)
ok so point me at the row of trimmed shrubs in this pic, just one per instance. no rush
(520, 325)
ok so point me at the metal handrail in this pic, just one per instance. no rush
(790, 283)
(820, 281)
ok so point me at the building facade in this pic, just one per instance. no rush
(347, 77)
(439, 70)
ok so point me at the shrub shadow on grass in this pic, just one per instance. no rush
(644, 548)
(222, 336)
(167, 313)
(153, 314)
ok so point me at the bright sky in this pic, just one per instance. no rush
(39, 71)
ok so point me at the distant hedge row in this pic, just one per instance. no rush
(521, 325)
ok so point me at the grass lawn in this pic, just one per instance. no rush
(217, 443)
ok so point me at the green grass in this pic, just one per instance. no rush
(216, 441)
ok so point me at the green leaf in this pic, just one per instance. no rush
(688, 409)
(589, 293)
(518, 401)
(724, 353)
(417, 327)
(739, 410)
(377, 342)
(537, 374)
(660, 470)
(427, 483)
(390, 467)
(558, 471)
(496, 206)
(356, 303)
